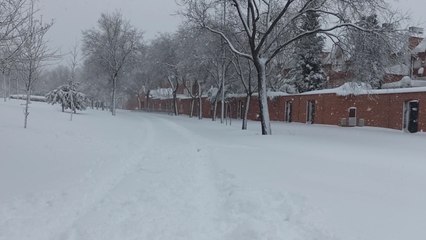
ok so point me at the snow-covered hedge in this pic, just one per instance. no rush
(32, 97)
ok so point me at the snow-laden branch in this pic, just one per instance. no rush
(231, 46)
(272, 26)
(319, 30)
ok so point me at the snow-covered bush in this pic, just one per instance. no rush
(68, 96)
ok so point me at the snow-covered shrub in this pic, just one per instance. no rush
(68, 96)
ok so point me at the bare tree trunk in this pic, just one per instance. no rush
(214, 110)
(8, 86)
(4, 87)
(114, 89)
(17, 86)
(73, 110)
(200, 103)
(27, 103)
(175, 108)
(263, 97)
(246, 111)
(222, 107)
(192, 108)
(147, 100)
(139, 102)
(216, 100)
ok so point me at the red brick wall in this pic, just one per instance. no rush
(381, 110)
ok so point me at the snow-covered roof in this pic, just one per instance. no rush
(354, 88)
(271, 94)
(405, 82)
(161, 93)
(421, 47)
(277, 94)
(182, 96)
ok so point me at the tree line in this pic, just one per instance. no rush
(228, 47)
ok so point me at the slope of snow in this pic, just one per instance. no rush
(148, 176)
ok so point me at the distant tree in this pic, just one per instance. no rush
(94, 82)
(370, 52)
(193, 47)
(51, 79)
(68, 97)
(163, 52)
(112, 46)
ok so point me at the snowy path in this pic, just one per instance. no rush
(168, 193)
(150, 176)
(159, 188)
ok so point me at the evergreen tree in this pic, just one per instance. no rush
(309, 74)
(68, 96)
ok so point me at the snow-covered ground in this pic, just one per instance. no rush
(151, 176)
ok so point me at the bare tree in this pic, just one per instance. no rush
(34, 52)
(270, 26)
(245, 71)
(191, 75)
(93, 81)
(72, 81)
(163, 53)
(13, 16)
(112, 46)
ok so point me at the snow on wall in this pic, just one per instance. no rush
(353, 88)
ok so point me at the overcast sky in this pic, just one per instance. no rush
(151, 16)
(72, 16)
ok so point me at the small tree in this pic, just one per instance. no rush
(33, 52)
(69, 98)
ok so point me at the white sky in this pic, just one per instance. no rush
(72, 16)
(416, 9)
(150, 16)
